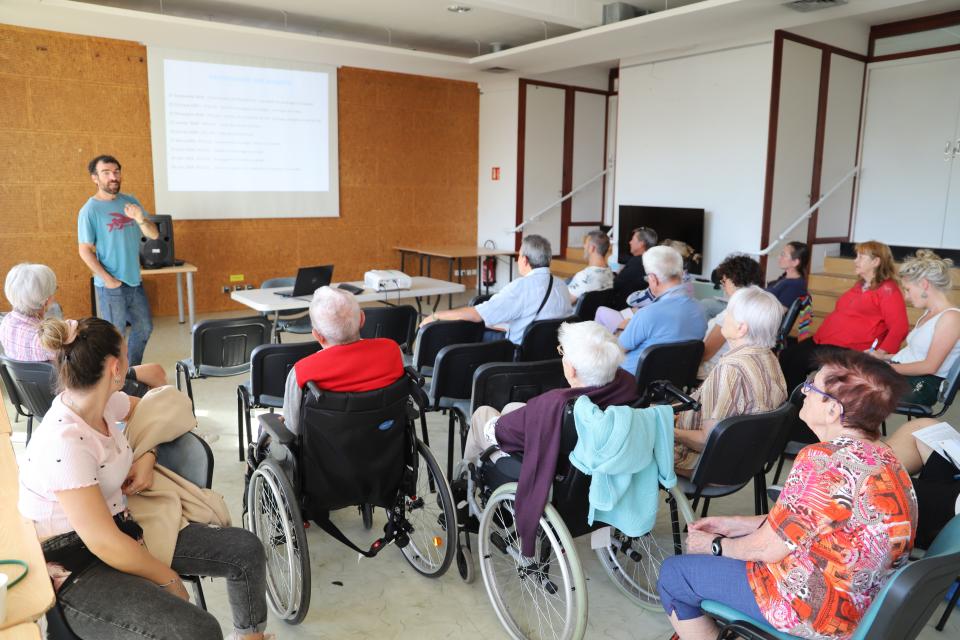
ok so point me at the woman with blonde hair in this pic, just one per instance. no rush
(870, 316)
(933, 345)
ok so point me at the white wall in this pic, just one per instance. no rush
(693, 133)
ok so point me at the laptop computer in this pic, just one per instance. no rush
(309, 279)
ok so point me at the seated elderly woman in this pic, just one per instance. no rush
(75, 477)
(30, 289)
(933, 346)
(747, 378)
(845, 520)
(735, 272)
(591, 361)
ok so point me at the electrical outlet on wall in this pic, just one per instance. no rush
(249, 287)
(226, 289)
(238, 287)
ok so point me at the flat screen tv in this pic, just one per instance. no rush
(674, 223)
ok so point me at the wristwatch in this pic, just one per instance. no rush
(716, 547)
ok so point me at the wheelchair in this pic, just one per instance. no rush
(545, 596)
(354, 450)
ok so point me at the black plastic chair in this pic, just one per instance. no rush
(789, 319)
(222, 348)
(439, 334)
(737, 452)
(295, 321)
(190, 457)
(475, 300)
(799, 434)
(588, 303)
(397, 323)
(498, 384)
(269, 366)
(676, 362)
(540, 340)
(31, 387)
(948, 391)
(451, 386)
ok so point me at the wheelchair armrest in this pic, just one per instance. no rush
(489, 451)
(273, 424)
(415, 376)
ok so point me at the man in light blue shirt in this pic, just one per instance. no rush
(673, 317)
(535, 296)
(109, 227)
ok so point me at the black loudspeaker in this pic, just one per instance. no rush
(155, 254)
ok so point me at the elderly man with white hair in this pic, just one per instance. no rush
(591, 358)
(747, 379)
(30, 289)
(673, 317)
(346, 363)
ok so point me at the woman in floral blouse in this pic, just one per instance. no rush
(845, 520)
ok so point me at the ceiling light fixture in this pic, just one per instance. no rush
(458, 8)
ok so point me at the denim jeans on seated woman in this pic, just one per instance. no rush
(124, 305)
(102, 603)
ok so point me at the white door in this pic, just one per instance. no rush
(911, 116)
(543, 161)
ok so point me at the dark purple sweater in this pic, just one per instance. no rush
(534, 432)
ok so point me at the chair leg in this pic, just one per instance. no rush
(424, 434)
(675, 525)
(450, 423)
(240, 409)
(776, 476)
(198, 592)
(883, 428)
(29, 427)
(706, 506)
(950, 605)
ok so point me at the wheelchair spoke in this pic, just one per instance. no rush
(431, 514)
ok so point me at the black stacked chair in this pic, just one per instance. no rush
(269, 366)
(737, 452)
(439, 334)
(353, 449)
(475, 300)
(675, 362)
(789, 319)
(498, 384)
(452, 383)
(588, 303)
(296, 321)
(222, 348)
(948, 391)
(540, 341)
(398, 323)
(799, 434)
(31, 387)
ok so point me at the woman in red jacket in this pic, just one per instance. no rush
(871, 315)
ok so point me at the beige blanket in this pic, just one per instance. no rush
(163, 415)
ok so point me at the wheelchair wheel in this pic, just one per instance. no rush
(634, 563)
(541, 597)
(366, 512)
(274, 517)
(433, 541)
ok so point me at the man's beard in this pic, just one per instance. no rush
(112, 188)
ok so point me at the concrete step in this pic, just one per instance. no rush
(565, 268)
(844, 267)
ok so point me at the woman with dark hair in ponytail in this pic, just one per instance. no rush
(74, 479)
(792, 284)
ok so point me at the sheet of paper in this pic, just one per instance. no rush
(951, 449)
(600, 538)
(934, 435)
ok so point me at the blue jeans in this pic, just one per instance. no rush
(686, 581)
(124, 305)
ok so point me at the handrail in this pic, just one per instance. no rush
(806, 214)
(520, 226)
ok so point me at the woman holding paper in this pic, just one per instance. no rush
(938, 484)
(934, 344)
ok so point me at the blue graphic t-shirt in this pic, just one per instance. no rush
(116, 237)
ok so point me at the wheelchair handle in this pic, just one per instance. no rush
(668, 388)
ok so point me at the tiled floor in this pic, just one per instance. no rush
(383, 597)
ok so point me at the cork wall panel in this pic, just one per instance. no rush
(408, 170)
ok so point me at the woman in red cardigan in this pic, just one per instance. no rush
(871, 315)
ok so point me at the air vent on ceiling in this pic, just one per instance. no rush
(814, 5)
(497, 70)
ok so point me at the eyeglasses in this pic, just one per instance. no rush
(809, 386)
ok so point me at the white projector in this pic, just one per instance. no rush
(386, 280)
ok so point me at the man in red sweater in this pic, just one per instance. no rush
(346, 362)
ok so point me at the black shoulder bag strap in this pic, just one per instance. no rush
(546, 297)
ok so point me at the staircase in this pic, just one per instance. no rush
(570, 264)
(838, 276)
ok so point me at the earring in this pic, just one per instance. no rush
(116, 380)
(923, 295)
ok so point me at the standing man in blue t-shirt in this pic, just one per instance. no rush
(108, 230)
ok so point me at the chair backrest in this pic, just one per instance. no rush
(455, 365)
(355, 447)
(223, 347)
(571, 489)
(540, 339)
(948, 388)
(10, 389)
(589, 302)
(740, 446)
(797, 429)
(789, 319)
(441, 333)
(396, 323)
(276, 283)
(475, 300)
(270, 364)
(500, 383)
(674, 361)
(190, 457)
(910, 596)
(34, 383)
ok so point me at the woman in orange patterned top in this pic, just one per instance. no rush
(845, 520)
